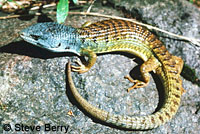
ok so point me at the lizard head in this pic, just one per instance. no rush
(53, 37)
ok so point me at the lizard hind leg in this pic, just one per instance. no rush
(150, 65)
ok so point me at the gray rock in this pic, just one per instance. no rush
(33, 87)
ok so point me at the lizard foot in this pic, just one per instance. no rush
(137, 83)
(80, 69)
(183, 90)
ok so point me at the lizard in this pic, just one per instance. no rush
(115, 35)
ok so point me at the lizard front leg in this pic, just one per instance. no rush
(85, 66)
(150, 65)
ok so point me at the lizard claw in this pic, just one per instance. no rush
(137, 83)
(80, 69)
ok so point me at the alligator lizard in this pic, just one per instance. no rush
(108, 36)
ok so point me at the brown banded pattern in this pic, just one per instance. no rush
(119, 35)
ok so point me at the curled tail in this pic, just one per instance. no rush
(173, 88)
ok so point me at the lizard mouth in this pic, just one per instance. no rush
(28, 38)
(33, 39)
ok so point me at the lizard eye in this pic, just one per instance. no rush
(67, 47)
(58, 45)
(35, 37)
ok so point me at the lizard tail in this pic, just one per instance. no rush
(172, 101)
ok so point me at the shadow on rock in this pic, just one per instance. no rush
(24, 48)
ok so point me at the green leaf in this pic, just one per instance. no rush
(191, 1)
(62, 11)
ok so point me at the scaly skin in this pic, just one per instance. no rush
(116, 35)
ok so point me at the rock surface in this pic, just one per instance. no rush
(34, 91)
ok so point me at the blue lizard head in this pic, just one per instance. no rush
(53, 37)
